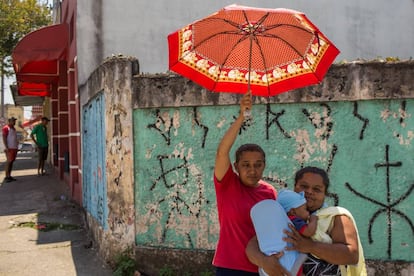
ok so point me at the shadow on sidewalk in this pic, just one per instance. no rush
(38, 211)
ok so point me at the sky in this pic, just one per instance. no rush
(8, 98)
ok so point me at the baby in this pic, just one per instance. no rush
(271, 217)
(295, 207)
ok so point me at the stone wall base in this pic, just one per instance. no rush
(166, 261)
(381, 268)
(156, 261)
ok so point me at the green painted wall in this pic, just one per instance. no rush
(367, 147)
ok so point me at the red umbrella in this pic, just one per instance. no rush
(31, 122)
(240, 49)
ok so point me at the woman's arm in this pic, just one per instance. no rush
(343, 249)
(270, 264)
(222, 156)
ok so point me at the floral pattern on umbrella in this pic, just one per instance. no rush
(237, 48)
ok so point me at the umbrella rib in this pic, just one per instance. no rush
(212, 36)
(260, 21)
(284, 40)
(271, 27)
(290, 25)
(232, 23)
(264, 63)
(228, 55)
(235, 32)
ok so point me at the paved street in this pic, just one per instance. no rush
(31, 205)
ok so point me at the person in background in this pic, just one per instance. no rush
(40, 137)
(10, 147)
(342, 254)
(236, 192)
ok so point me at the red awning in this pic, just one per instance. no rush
(24, 100)
(36, 59)
(34, 89)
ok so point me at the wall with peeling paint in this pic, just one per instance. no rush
(162, 130)
(94, 192)
(108, 196)
(364, 145)
(358, 125)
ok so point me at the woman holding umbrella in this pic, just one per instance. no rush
(233, 50)
(237, 191)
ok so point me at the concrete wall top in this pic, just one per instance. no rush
(343, 82)
(113, 68)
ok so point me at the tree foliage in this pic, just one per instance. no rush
(18, 18)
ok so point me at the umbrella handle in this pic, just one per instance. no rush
(247, 113)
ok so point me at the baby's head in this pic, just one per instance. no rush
(293, 203)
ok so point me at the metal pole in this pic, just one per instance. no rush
(2, 89)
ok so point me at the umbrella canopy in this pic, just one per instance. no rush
(240, 49)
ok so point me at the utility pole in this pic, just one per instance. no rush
(2, 88)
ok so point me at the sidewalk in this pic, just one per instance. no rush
(35, 202)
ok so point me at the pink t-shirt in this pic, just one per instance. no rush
(234, 201)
